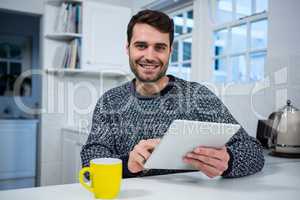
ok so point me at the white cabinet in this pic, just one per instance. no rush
(72, 142)
(104, 31)
(17, 153)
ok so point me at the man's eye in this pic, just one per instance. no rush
(160, 48)
(141, 46)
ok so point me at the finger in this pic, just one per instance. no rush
(134, 166)
(220, 154)
(213, 162)
(206, 169)
(138, 158)
(154, 140)
(149, 144)
(143, 152)
(202, 167)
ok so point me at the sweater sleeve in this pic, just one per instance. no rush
(246, 153)
(101, 140)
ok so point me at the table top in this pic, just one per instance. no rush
(279, 179)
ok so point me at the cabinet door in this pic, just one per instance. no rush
(104, 36)
(17, 149)
(71, 163)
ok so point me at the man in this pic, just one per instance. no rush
(129, 120)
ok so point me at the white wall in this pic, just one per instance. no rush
(284, 51)
(125, 3)
(138, 4)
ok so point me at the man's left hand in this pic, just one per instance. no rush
(211, 161)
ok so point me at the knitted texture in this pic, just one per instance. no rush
(122, 118)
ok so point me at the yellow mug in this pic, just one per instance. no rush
(105, 177)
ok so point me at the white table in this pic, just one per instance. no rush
(280, 179)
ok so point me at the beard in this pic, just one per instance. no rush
(134, 66)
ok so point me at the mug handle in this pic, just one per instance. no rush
(81, 178)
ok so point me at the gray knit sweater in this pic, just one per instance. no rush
(122, 118)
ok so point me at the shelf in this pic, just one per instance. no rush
(85, 72)
(64, 36)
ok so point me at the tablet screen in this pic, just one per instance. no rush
(182, 137)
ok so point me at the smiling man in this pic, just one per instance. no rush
(129, 120)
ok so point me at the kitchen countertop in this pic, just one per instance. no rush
(279, 179)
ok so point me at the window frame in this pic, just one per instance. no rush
(22, 41)
(180, 39)
(227, 55)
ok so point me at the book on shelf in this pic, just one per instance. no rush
(67, 56)
(59, 56)
(69, 18)
(73, 54)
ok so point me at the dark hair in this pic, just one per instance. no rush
(156, 19)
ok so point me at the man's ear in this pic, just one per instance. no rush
(171, 49)
(127, 48)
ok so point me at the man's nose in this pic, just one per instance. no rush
(150, 53)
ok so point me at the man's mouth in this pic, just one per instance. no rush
(148, 65)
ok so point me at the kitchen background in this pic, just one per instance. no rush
(246, 51)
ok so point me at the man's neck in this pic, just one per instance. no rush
(150, 89)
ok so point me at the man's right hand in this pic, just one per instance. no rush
(140, 153)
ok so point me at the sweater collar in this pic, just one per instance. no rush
(164, 91)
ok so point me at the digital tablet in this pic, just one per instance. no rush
(183, 136)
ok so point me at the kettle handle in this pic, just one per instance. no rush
(273, 123)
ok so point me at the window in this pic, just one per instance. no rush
(14, 59)
(181, 58)
(240, 40)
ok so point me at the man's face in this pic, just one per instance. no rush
(149, 52)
